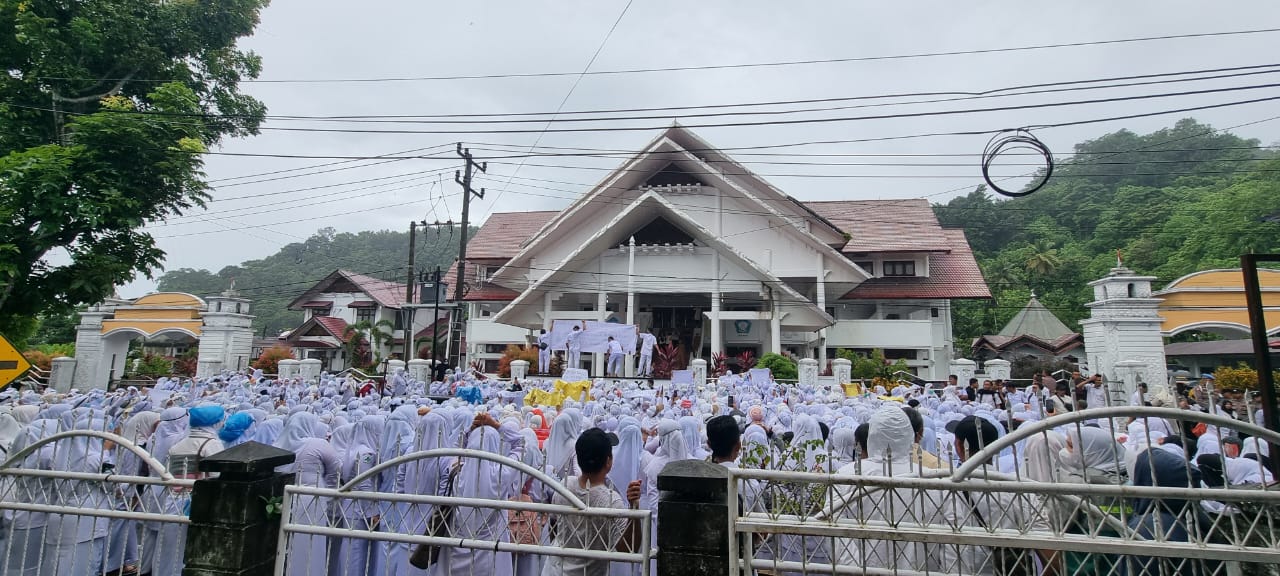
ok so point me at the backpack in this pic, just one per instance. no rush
(525, 526)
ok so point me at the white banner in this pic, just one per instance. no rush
(595, 335)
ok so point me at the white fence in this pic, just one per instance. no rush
(351, 532)
(59, 521)
(970, 519)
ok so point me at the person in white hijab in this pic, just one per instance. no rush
(486, 480)
(75, 545)
(427, 476)
(626, 469)
(565, 430)
(397, 440)
(1092, 456)
(360, 556)
(26, 529)
(169, 430)
(890, 438)
(317, 465)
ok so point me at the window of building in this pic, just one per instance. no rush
(315, 312)
(495, 348)
(892, 316)
(868, 265)
(900, 268)
(366, 314)
(933, 312)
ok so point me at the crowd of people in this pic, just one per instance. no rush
(606, 447)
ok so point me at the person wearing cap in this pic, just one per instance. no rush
(990, 510)
(594, 451)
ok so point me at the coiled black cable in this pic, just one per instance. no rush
(1008, 141)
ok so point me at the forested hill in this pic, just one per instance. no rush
(274, 281)
(1175, 201)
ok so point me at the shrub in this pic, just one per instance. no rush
(527, 353)
(782, 367)
(665, 359)
(56, 350)
(269, 361)
(153, 366)
(39, 359)
(1237, 379)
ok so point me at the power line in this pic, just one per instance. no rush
(800, 121)
(742, 65)
(565, 100)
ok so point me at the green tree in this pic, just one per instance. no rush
(106, 108)
(1044, 259)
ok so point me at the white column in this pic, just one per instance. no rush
(699, 368)
(822, 305)
(628, 365)
(998, 369)
(61, 373)
(546, 311)
(775, 328)
(842, 370)
(519, 368)
(717, 343)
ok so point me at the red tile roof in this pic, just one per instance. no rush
(504, 233)
(318, 304)
(952, 275)
(333, 325)
(907, 225)
(361, 304)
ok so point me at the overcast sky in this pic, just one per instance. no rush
(328, 39)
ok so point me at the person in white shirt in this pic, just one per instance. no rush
(544, 352)
(1140, 396)
(594, 451)
(647, 342)
(614, 367)
(575, 348)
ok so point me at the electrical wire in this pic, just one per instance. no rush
(1016, 140)
(771, 64)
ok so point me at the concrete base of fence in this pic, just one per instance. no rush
(232, 532)
(693, 519)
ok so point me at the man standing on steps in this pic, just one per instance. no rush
(647, 343)
(544, 352)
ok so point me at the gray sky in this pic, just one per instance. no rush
(327, 39)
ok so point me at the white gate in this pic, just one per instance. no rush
(349, 532)
(89, 522)
(971, 519)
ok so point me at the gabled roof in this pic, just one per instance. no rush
(952, 275)
(384, 292)
(1036, 320)
(907, 225)
(486, 292)
(639, 209)
(334, 328)
(678, 145)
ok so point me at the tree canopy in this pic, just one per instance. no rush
(105, 110)
(1172, 202)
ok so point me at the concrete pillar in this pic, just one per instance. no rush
(699, 368)
(394, 366)
(309, 369)
(842, 370)
(963, 369)
(519, 369)
(693, 511)
(62, 372)
(775, 328)
(287, 369)
(231, 532)
(419, 369)
(717, 336)
(208, 367)
(597, 358)
(808, 372)
(998, 369)
(1129, 373)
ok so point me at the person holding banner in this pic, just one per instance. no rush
(615, 358)
(575, 348)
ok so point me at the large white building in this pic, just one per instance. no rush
(686, 242)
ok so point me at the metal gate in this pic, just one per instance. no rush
(971, 519)
(360, 532)
(57, 521)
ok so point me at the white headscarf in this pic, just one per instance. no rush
(626, 455)
(565, 430)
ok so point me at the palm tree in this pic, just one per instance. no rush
(1044, 259)
(1003, 274)
(369, 332)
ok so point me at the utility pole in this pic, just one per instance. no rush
(407, 311)
(463, 178)
(431, 281)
